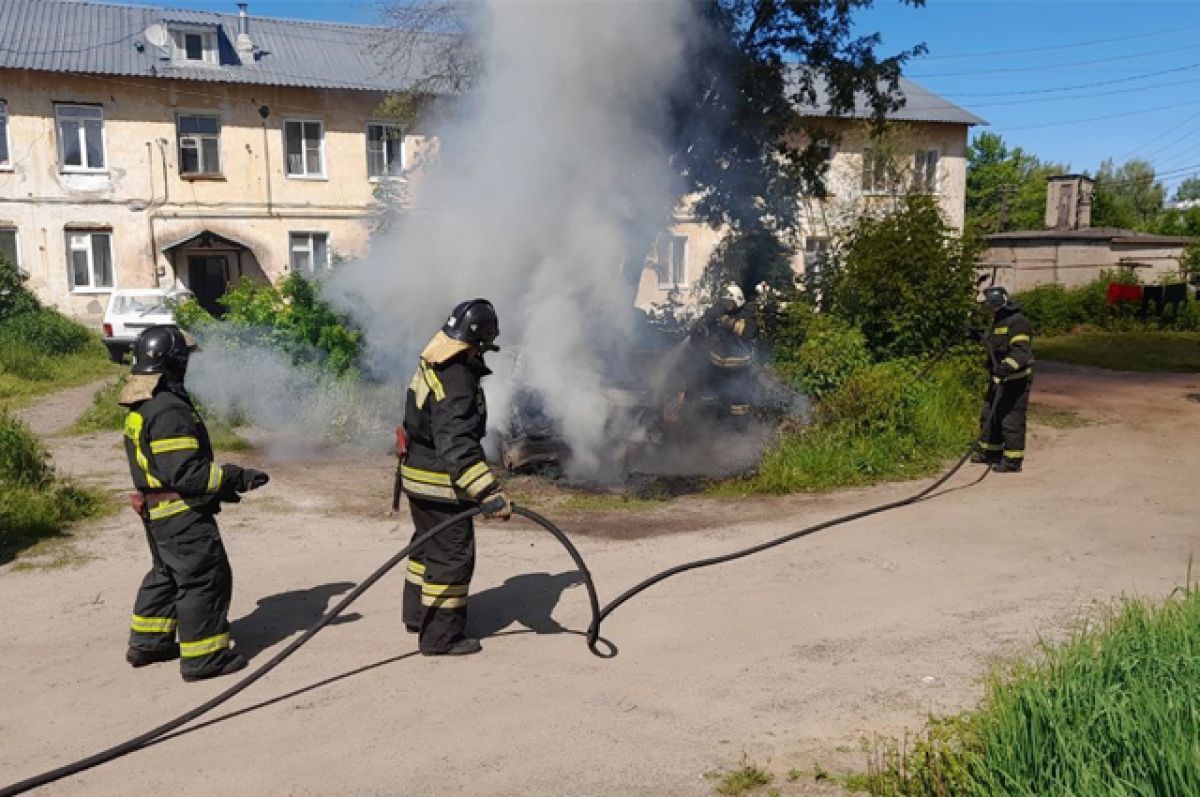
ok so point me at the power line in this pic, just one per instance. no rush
(1163, 135)
(1057, 47)
(1039, 67)
(1095, 84)
(1065, 122)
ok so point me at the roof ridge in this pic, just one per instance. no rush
(314, 23)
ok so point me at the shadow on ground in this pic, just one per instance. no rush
(279, 616)
(527, 600)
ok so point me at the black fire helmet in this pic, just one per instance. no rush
(474, 322)
(161, 349)
(995, 297)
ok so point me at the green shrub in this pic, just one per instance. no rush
(46, 332)
(15, 297)
(23, 459)
(905, 279)
(832, 353)
(288, 316)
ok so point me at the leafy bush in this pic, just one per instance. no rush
(288, 316)
(906, 280)
(15, 297)
(36, 505)
(831, 353)
(45, 332)
(1055, 310)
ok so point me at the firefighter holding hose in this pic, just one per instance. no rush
(180, 489)
(443, 472)
(1009, 345)
(730, 329)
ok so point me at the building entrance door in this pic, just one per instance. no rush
(208, 278)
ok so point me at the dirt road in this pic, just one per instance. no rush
(789, 657)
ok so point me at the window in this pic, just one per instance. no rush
(879, 174)
(195, 46)
(199, 144)
(89, 260)
(925, 168)
(385, 150)
(310, 252)
(815, 251)
(80, 137)
(304, 144)
(8, 246)
(672, 260)
(5, 161)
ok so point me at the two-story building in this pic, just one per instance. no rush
(142, 147)
(924, 148)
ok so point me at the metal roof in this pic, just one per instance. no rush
(1113, 235)
(920, 105)
(108, 39)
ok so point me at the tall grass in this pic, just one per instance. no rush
(881, 424)
(1115, 711)
(35, 503)
(42, 351)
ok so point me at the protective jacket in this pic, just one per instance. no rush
(445, 418)
(169, 451)
(731, 336)
(1009, 344)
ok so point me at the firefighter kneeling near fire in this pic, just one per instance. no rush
(443, 472)
(180, 490)
(730, 329)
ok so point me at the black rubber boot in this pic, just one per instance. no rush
(1007, 465)
(412, 629)
(463, 647)
(141, 657)
(228, 662)
(985, 457)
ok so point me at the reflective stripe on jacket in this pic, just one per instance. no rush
(1010, 345)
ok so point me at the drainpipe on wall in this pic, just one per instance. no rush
(265, 112)
(153, 207)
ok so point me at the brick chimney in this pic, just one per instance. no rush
(244, 45)
(1069, 202)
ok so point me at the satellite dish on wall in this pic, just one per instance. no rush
(158, 35)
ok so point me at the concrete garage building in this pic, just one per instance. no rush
(142, 147)
(1070, 251)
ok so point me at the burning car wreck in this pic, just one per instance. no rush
(668, 414)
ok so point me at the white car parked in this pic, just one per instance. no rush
(131, 310)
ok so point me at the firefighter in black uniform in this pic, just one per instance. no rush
(1009, 345)
(730, 329)
(444, 473)
(179, 491)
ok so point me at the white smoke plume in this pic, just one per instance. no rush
(550, 173)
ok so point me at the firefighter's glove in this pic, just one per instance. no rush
(497, 505)
(972, 333)
(250, 479)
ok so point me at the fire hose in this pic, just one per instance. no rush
(594, 640)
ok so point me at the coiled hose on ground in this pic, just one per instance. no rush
(594, 639)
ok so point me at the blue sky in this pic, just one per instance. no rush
(1135, 62)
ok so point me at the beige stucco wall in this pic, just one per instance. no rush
(1021, 266)
(846, 201)
(145, 202)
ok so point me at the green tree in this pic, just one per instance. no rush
(905, 279)
(1128, 196)
(1006, 188)
(1188, 190)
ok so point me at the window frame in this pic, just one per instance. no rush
(923, 181)
(399, 155)
(815, 246)
(91, 287)
(200, 137)
(16, 233)
(315, 270)
(209, 45)
(6, 164)
(676, 238)
(324, 173)
(63, 166)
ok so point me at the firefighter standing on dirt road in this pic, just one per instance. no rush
(1009, 345)
(443, 472)
(730, 328)
(179, 491)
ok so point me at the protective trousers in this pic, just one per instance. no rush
(733, 387)
(439, 576)
(186, 592)
(1004, 432)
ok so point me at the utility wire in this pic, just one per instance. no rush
(1067, 122)
(1041, 67)
(1058, 47)
(1095, 84)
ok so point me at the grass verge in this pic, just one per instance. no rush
(26, 373)
(36, 504)
(1110, 712)
(106, 415)
(1146, 351)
